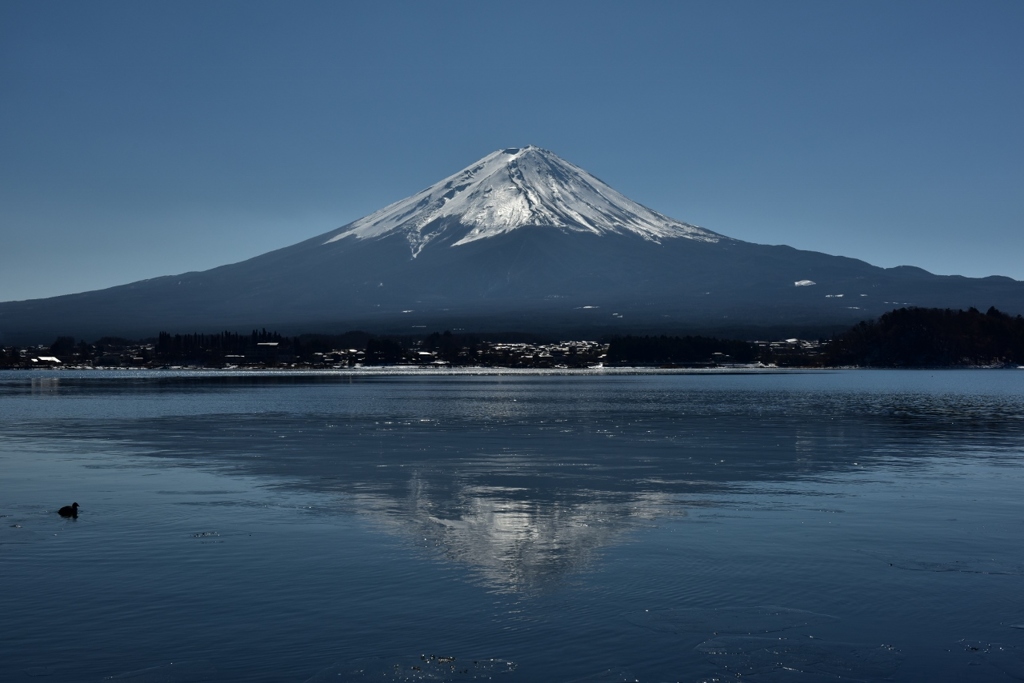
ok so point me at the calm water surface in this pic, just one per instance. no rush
(832, 526)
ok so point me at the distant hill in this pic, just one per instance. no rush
(520, 240)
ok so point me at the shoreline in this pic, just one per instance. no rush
(427, 371)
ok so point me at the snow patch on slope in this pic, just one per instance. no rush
(515, 188)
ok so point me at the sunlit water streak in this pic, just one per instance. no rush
(590, 526)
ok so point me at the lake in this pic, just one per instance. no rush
(602, 526)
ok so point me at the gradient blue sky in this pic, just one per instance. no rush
(140, 139)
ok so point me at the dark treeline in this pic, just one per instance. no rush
(200, 347)
(931, 337)
(218, 344)
(903, 338)
(260, 346)
(679, 350)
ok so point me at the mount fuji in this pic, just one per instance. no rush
(521, 240)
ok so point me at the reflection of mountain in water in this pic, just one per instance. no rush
(526, 479)
(513, 540)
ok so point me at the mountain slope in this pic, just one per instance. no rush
(516, 188)
(521, 240)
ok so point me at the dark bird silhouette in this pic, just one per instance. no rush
(69, 510)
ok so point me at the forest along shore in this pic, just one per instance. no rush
(903, 338)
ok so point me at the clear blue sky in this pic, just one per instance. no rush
(140, 139)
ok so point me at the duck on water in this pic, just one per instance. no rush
(69, 510)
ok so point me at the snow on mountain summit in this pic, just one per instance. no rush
(515, 188)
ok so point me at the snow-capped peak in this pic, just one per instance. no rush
(515, 188)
